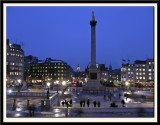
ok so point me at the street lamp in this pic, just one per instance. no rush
(48, 84)
(58, 103)
(19, 81)
(57, 82)
(64, 83)
(127, 85)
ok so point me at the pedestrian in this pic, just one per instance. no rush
(119, 95)
(70, 102)
(84, 103)
(94, 103)
(123, 102)
(88, 101)
(104, 97)
(33, 109)
(99, 104)
(67, 104)
(29, 109)
(63, 103)
(109, 97)
(81, 103)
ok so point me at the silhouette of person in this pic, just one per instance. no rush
(99, 104)
(88, 101)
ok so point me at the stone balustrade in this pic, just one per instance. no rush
(28, 94)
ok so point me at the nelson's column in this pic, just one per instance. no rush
(93, 82)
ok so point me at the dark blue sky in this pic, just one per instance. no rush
(65, 33)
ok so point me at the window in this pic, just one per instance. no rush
(140, 77)
(150, 78)
(136, 77)
(140, 73)
(136, 73)
(143, 69)
(149, 70)
(143, 73)
(143, 77)
(150, 73)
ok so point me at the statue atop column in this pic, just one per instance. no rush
(93, 18)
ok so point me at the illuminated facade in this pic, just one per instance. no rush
(48, 70)
(139, 72)
(78, 68)
(14, 63)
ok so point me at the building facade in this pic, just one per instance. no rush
(141, 72)
(49, 70)
(14, 63)
(27, 62)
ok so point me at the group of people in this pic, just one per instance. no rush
(110, 95)
(82, 103)
(67, 103)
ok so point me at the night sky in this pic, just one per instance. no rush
(65, 33)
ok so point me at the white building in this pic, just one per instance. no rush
(140, 72)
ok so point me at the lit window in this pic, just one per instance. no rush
(143, 77)
(140, 77)
(136, 77)
(149, 62)
(136, 73)
(150, 78)
(143, 73)
(150, 73)
(149, 70)
(136, 69)
(140, 73)
(143, 69)
(140, 69)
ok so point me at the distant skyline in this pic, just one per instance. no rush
(65, 33)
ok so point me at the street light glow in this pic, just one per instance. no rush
(10, 91)
(19, 80)
(127, 83)
(64, 83)
(57, 81)
(48, 84)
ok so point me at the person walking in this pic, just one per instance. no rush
(70, 102)
(63, 103)
(84, 103)
(67, 104)
(104, 97)
(81, 103)
(88, 101)
(99, 104)
(119, 95)
(94, 103)
(33, 109)
(123, 102)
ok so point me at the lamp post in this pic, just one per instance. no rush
(48, 84)
(63, 83)
(57, 93)
(19, 81)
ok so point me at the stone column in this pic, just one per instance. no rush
(93, 40)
